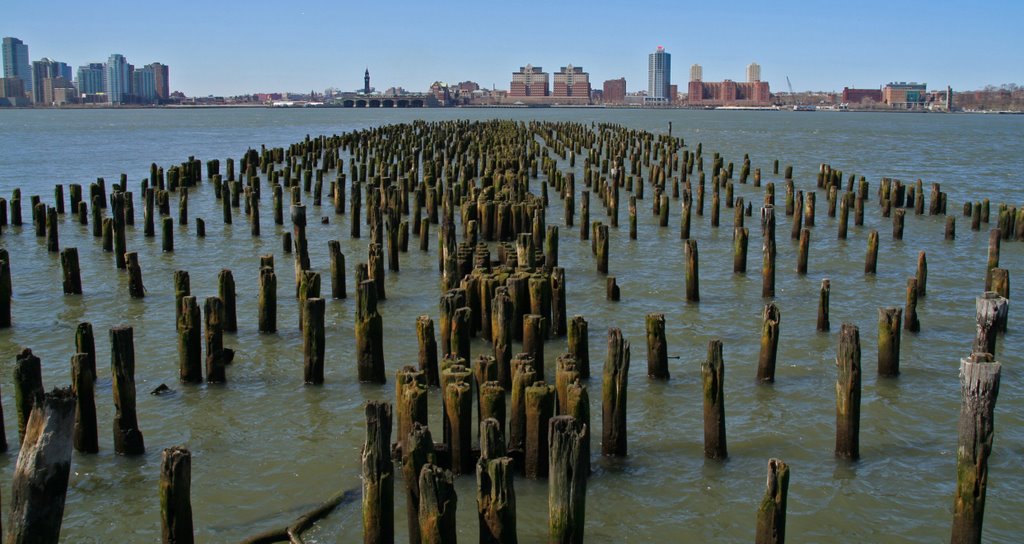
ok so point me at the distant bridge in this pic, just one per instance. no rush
(355, 100)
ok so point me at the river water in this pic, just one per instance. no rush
(265, 447)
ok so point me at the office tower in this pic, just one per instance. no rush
(42, 70)
(659, 76)
(696, 72)
(144, 85)
(529, 81)
(16, 64)
(119, 83)
(91, 78)
(161, 80)
(753, 72)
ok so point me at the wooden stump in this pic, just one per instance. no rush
(824, 324)
(190, 341)
(5, 290)
(567, 480)
(135, 287)
(922, 274)
(692, 271)
(558, 315)
(226, 292)
(771, 514)
(369, 332)
(540, 408)
(848, 393)
(713, 379)
(28, 388)
(83, 387)
(217, 356)
(802, 250)
(768, 252)
(438, 504)
(889, 326)
(127, 436)
(266, 303)
(337, 269)
(86, 343)
(911, 324)
(427, 350)
(313, 341)
(533, 341)
(1000, 282)
(496, 500)
(71, 270)
(979, 388)
(40, 481)
(991, 310)
(770, 319)
(378, 476)
(657, 347)
(579, 345)
(175, 496)
(897, 223)
(458, 404)
(871, 259)
(615, 379)
(740, 236)
(523, 376)
(417, 451)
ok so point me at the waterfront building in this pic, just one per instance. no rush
(43, 69)
(859, 96)
(161, 80)
(12, 92)
(16, 64)
(58, 91)
(753, 72)
(906, 96)
(119, 81)
(573, 83)
(696, 72)
(659, 76)
(614, 91)
(728, 92)
(144, 85)
(529, 81)
(92, 78)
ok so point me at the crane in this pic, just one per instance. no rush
(790, 85)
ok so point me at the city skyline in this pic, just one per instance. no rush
(319, 44)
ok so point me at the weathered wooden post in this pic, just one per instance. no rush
(28, 387)
(1000, 282)
(922, 274)
(176, 496)
(438, 504)
(911, 324)
(83, 387)
(72, 272)
(267, 300)
(558, 315)
(540, 408)
(823, 295)
(313, 341)
(127, 436)
(692, 271)
(897, 223)
(979, 388)
(889, 326)
(994, 237)
(217, 356)
(802, 250)
(613, 395)
(768, 252)
(657, 347)
(135, 287)
(226, 292)
(167, 232)
(369, 331)
(190, 341)
(40, 481)
(579, 345)
(602, 248)
(378, 475)
(5, 289)
(417, 451)
(427, 350)
(567, 480)
(991, 312)
(533, 341)
(770, 319)
(740, 237)
(495, 493)
(52, 242)
(458, 407)
(337, 269)
(848, 393)
(771, 514)
(871, 259)
(713, 378)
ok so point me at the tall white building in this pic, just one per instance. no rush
(696, 72)
(753, 72)
(659, 76)
(119, 82)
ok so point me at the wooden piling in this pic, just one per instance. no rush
(922, 274)
(226, 292)
(523, 376)
(427, 350)
(990, 311)
(127, 436)
(313, 341)
(771, 514)
(496, 503)
(266, 303)
(657, 347)
(692, 271)
(713, 376)
(378, 475)
(911, 323)
(438, 504)
(540, 408)
(190, 341)
(533, 341)
(871, 259)
(417, 451)
(994, 237)
(28, 388)
(337, 269)
(979, 389)
(770, 320)
(458, 406)
(1000, 282)
(83, 387)
(175, 496)
(802, 250)
(615, 379)
(768, 252)
(823, 295)
(889, 326)
(567, 480)
(72, 272)
(216, 354)
(369, 332)
(135, 287)
(40, 481)
(848, 393)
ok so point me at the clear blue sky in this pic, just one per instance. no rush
(227, 47)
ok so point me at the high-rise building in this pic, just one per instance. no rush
(43, 69)
(753, 72)
(161, 81)
(91, 78)
(530, 80)
(572, 82)
(119, 82)
(696, 72)
(16, 64)
(58, 91)
(144, 85)
(615, 91)
(659, 76)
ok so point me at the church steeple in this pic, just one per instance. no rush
(366, 81)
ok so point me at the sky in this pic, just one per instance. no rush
(230, 47)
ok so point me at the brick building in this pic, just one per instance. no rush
(615, 91)
(729, 93)
(529, 81)
(904, 95)
(572, 82)
(858, 96)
